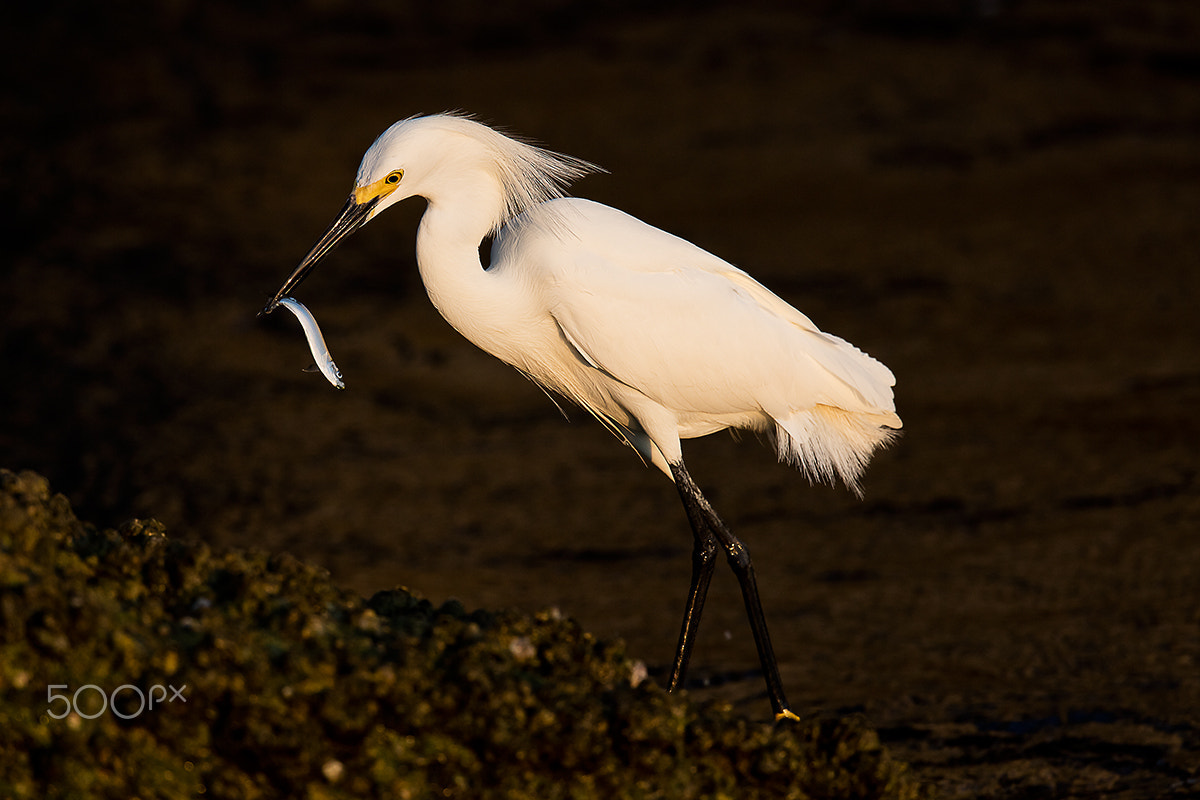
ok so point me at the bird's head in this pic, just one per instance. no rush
(443, 153)
(380, 183)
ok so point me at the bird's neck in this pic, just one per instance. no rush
(474, 301)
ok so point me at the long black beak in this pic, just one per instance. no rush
(352, 217)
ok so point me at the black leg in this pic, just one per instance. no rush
(704, 553)
(709, 530)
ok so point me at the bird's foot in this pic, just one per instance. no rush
(786, 714)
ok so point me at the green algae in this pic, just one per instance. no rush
(274, 683)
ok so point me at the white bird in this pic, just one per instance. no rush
(655, 337)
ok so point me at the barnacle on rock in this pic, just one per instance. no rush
(261, 679)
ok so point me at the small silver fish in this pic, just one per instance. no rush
(316, 342)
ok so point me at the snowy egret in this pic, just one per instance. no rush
(657, 338)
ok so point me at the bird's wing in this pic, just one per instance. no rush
(693, 332)
(871, 378)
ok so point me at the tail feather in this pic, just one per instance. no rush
(828, 443)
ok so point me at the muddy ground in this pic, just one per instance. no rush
(1000, 206)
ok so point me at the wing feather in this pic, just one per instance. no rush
(696, 333)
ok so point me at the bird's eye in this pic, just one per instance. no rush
(393, 178)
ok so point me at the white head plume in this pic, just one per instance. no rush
(527, 175)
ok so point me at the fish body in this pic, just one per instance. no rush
(316, 342)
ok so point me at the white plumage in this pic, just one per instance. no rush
(657, 338)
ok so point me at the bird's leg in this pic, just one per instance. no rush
(709, 530)
(704, 553)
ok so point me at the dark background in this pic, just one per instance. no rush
(1000, 201)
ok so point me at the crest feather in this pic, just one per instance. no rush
(529, 175)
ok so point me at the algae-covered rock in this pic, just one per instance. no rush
(133, 665)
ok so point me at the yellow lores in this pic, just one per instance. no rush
(378, 189)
